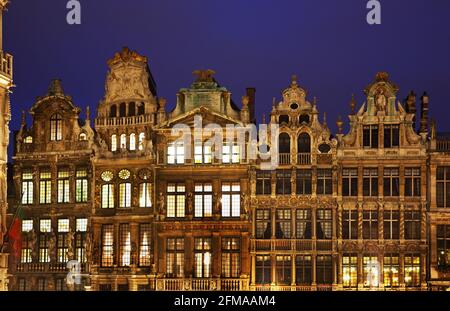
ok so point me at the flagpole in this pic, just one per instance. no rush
(12, 222)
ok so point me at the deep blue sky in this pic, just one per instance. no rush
(327, 43)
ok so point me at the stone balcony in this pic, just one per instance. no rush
(291, 245)
(202, 284)
(144, 119)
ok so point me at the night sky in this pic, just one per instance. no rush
(327, 43)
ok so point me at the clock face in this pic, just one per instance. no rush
(124, 174)
(107, 176)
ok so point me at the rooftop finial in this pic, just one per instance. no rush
(294, 79)
(325, 119)
(204, 75)
(55, 88)
(264, 119)
(24, 118)
(352, 104)
(339, 124)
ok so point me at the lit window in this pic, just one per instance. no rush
(144, 245)
(114, 142)
(202, 258)
(81, 224)
(123, 141)
(82, 137)
(145, 195)
(231, 199)
(141, 141)
(175, 153)
(81, 186)
(28, 140)
(125, 245)
(203, 200)
(176, 200)
(175, 257)
(350, 270)
(108, 196)
(371, 271)
(27, 225)
(63, 186)
(412, 270)
(125, 195)
(27, 188)
(230, 153)
(443, 247)
(202, 154)
(231, 255)
(56, 127)
(107, 245)
(45, 225)
(283, 270)
(391, 270)
(45, 188)
(132, 141)
(63, 225)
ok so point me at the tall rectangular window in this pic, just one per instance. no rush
(263, 182)
(443, 246)
(391, 182)
(231, 199)
(324, 269)
(350, 224)
(443, 186)
(350, 270)
(175, 257)
(391, 270)
(231, 257)
(230, 153)
(412, 225)
(349, 182)
(108, 196)
(202, 257)
(391, 136)
(45, 227)
(303, 224)
(145, 194)
(81, 186)
(144, 245)
(202, 153)
(412, 270)
(176, 200)
(304, 182)
(175, 153)
(107, 245)
(124, 245)
(27, 226)
(125, 195)
(80, 239)
(284, 270)
(27, 187)
(324, 224)
(303, 270)
(391, 225)
(203, 200)
(283, 224)
(370, 182)
(412, 182)
(283, 185)
(45, 187)
(263, 269)
(370, 271)
(63, 186)
(370, 225)
(263, 224)
(370, 136)
(62, 242)
(324, 181)
(56, 127)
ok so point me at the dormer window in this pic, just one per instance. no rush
(283, 119)
(391, 136)
(28, 140)
(82, 137)
(56, 127)
(370, 136)
(304, 118)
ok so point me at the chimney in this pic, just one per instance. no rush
(411, 106)
(424, 113)
(250, 91)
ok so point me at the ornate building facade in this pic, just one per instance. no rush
(6, 70)
(151, 199)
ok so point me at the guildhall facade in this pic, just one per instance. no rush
(133, 207)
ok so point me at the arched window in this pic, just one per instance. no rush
(132, 141)
(114, 142)
(141, 109)
(55, 127)
(123, 141)
(123, 110)
(284, 143)
(28, 140)
(283, 119)
(304, 143)
(304, 118)
(82, 137)
(141, 141)
(113, 111)
(132, 109)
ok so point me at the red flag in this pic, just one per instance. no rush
(15, 234)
